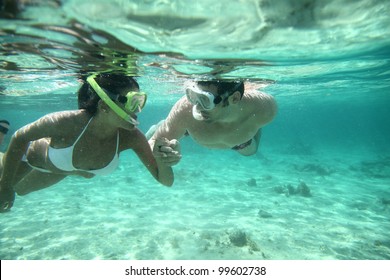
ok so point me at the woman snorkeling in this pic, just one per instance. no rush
(84, 142)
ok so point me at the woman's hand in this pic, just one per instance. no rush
(167, 151)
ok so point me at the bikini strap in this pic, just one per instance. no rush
(82, 132)
(117, 142)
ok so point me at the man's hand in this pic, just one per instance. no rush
(167, 151)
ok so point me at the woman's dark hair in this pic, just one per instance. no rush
(114, 83)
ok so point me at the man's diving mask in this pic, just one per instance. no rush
(206, 99)
(133, 101)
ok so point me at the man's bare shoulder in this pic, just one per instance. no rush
(257, 96)
(261, 105)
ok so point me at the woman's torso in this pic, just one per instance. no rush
(78, 149)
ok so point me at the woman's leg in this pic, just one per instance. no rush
(28, 180)
(4, 127)
(36, 180)
(30, 176)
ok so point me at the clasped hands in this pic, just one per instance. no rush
(167, 151)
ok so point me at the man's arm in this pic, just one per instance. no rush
(172, 128)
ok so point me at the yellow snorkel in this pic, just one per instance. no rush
(135, 101)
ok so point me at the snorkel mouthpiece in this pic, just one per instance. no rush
(196, 114)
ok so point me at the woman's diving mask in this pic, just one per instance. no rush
(133, 101)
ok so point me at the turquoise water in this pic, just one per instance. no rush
(327, 65)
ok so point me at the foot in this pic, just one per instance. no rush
(7, 198)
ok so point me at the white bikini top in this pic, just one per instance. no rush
(62, 158)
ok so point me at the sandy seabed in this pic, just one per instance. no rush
(222, 206)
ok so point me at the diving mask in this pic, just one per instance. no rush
(205, 99)
(133, 101)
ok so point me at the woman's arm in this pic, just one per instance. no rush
(48, 126)
(13, 156)
(160, 171)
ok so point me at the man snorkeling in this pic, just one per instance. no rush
(219, 115)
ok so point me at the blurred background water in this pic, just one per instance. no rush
(327, 63)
